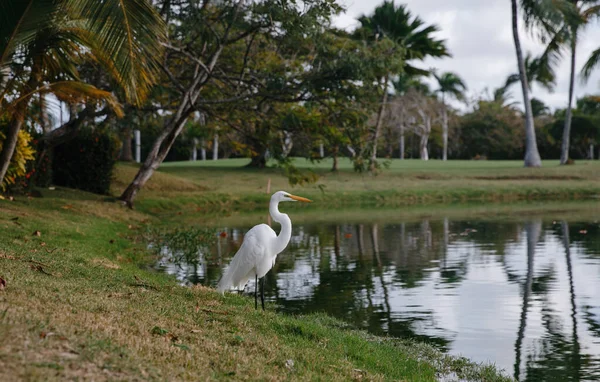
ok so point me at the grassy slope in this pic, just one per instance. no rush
(79, 305)
(225, 185)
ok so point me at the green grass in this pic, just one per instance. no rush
(224, 186)
(79, 304)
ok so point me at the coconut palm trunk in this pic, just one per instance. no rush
(444, 128)
(379, 123)
(8, 146)
(532, 155)
(17, 120)
(564, 148)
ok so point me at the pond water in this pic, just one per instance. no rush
(523, 292)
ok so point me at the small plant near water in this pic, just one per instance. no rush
(181, 245)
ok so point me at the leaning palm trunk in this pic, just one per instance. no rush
(379, 123)
(17, 120)
(564, 149)
(9, 144)
(532, 155)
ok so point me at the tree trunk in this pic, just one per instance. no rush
(335, 158)
(157, 154)
(16, 122)
(402, 143)
(444, 129)
(127, 152)
(379, 123)
(591, 151)
(215, 147)
(44, 119)
(9, 144)
(532, 155)
(203, 149)
(321, 150)
(423, 146)
(258, 161)
(564, 148)
(194, 153)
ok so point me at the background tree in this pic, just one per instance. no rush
(398, 25)
(51, 37)
(451, 84)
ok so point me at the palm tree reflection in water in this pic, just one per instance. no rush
(447, 282)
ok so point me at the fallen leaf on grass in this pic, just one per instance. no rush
(157, 330)
(39, 269)
(36, 233)
(182, 347)
(2, 284)
(105, 263)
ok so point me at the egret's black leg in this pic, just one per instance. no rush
(262, 292)
(255, 294)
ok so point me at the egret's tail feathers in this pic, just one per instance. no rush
(225, 283)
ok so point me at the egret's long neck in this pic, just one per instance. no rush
(286, 227)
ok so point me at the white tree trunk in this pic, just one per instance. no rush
(423, 146)
(138, 146)
(532, 155)
(203, 149)
(402, 144)
(215, 147)
(321, 150)
(194, 156)
(445, 132)
(591, 151)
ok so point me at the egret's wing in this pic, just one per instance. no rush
(243, 265)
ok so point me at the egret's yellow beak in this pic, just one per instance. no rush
(300, 198)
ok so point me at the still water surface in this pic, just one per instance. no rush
(522, 293)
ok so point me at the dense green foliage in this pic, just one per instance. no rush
(86, 162)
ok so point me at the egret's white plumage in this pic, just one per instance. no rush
(260, 247)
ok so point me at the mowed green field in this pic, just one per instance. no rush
(228, 184)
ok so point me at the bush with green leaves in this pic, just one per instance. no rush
(86, 162)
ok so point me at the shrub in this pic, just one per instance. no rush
(23, 154)
(86, 162)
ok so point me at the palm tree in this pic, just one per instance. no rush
(575, 17)
(407, 32)
(539, 71)
(52, 36)
(451, 84)
(532, 154)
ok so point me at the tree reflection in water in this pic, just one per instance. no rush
(503, 291)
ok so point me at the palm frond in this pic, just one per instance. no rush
(592, 63)
(20, 21)
(128, 35)
(76, 91)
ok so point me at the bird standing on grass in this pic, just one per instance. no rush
(259, 250)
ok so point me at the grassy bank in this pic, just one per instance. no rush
(225, 185)
(78, 304)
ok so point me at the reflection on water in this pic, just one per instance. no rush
(524, 295)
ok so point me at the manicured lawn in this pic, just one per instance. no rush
(226, 185)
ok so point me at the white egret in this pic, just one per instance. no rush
(259, 250)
